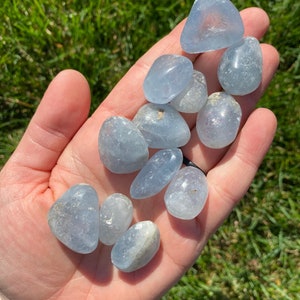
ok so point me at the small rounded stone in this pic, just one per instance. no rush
(162, 126)
(74, 218)
(194, 98)
(157, 173)
(219, 120)
(187, 193)
(211, 25)
(240, 68)
(115, 217)
(169, 76)
(136, 247)
(121, 145)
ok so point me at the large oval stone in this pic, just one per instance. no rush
(169, 76)
(240, 68)
(194, 98)
(121, 145)
(136, 247)
(157, 173)
(74, 219)
(219, 120)
(115, 217)
(186, 195)
(211, 25)
(162, 126)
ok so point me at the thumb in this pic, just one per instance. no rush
(62, 111)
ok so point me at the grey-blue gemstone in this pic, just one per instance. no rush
(136, 247)
(162, 126)
(121, 145)
(240, 68)
(219, 120)
(115, 217)
(194, 98)
(169, 76)
(187, 193)
(157, 173)
(74, 219)
(211, 25)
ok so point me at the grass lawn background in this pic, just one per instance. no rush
(255, 254)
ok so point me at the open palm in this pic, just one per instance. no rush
(59, 149)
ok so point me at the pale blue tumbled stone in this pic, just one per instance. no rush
(136, 247)
(211, 25)
(115, 217)
(169, 76)
(194, 98)
(121, 145)
(162, 126)
(187, 193)
(240, 68)
(219, 120)
(74, 219)
(157, 173)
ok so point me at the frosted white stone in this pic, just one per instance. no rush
(211, 25)
(187, 193)
(162, 126)
(194, 98)
(219, 120)
(74, 218)
(136, 247)
(121, 145)
(157, 173)
(115, 217)
(240, 68)
(168, 76)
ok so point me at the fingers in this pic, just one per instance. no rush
(230, 179)
(62, 111)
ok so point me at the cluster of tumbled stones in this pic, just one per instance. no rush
(171, 87)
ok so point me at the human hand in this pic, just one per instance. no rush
(59, 149)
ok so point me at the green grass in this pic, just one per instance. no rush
(255, 254)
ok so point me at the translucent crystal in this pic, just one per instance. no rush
(186, 195)
(74, 218)
(157, 173)
(194, 98)
(169, 76)
(219, 120)
(136, 247)
(240, 68)
(121, 145)
(115, 217)
(211, 25)
(162, 126)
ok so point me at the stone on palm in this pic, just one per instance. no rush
(74, 219)
(157, 173)
(116, 214)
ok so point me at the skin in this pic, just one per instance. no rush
(59, 149)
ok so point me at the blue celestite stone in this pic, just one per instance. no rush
(211, 25)
(169, 76)
(157, 173)
(136, 247)
(162, 126)
(115, 217)
(195, 97)
(187, 193)
(240, 68)
(121, 145)
(74, 219)
(219, 120)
